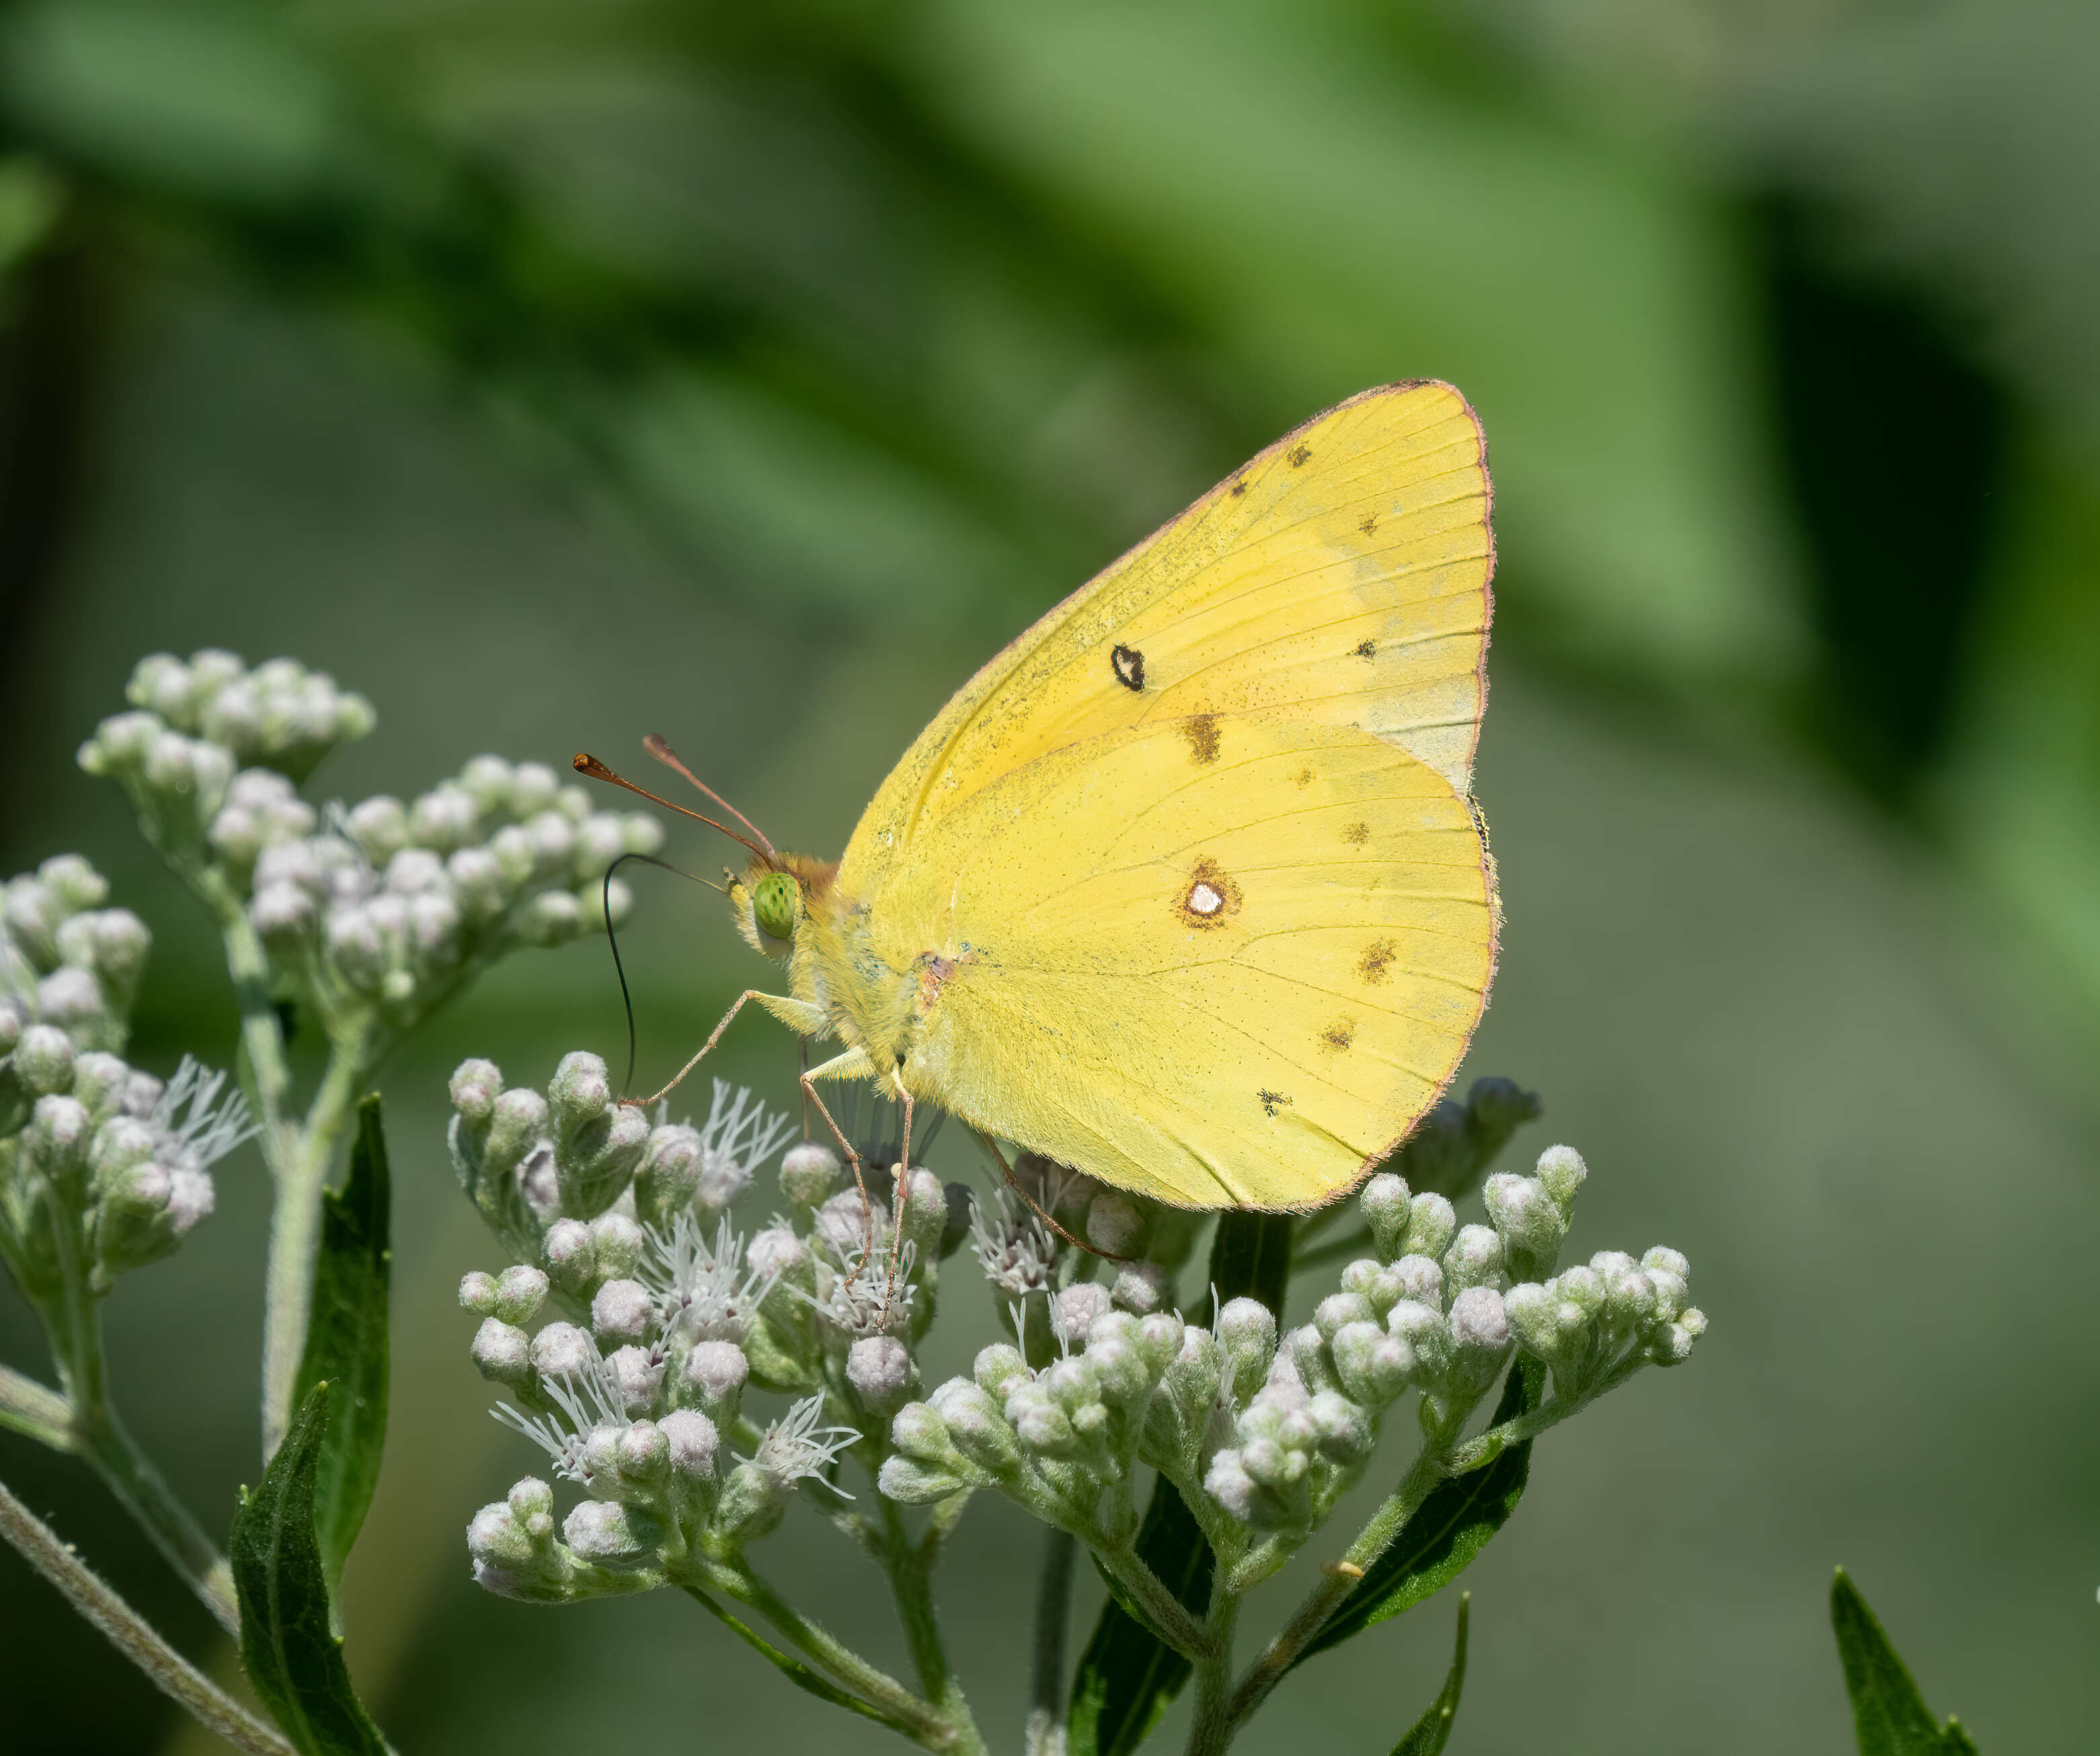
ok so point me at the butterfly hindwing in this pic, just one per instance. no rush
(1221, 960)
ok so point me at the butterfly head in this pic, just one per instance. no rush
(774, 897)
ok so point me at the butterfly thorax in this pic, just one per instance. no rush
(832, 963)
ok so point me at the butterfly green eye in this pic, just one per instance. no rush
(774, 901)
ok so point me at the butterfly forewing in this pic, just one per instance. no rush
(1340, 578)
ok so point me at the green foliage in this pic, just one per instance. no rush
(347, 1345)
(792, 1668)
(290, 1646)
(1251, 1258)
(1128, 1676)
(1429, 1734)
(1889, 1716)
(1450, 1529)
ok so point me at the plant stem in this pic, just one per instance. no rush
(1487, 1446)
(937, 1727)
(73, 1322)
(1045, 1735)
(35, 1409)
(299, 1159)
(1214, 1726)
(1372, 1541)
(1169, 1615)
(912, 1591)
(170, 1672)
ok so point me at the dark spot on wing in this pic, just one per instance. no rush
(1209, 898)
(1300, 454)
(1367, 649)
(1269, 1101)
(1356, 834)
(1305, 777)
(1339, 1035)
(1369, 526)
(1202, 732)
(1377, 959)
(1239, 487)
(1128, 664)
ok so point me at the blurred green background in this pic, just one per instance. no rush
(556, 373)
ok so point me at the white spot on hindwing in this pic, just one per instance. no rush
(1205, 900)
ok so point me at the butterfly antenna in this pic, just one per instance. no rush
(654, 744)
(587, 765)
(612, 939)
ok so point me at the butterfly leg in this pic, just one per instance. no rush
(903, 1178)
(798, 1014)
(853, 1062)
(1020, 1188)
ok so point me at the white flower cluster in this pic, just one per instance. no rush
(65, 959)
(663, 1316)
(1277, 1429)
(100, 1164)
(381, 907)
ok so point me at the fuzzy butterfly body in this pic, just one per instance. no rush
(1186, 889)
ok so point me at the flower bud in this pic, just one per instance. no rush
(693, 1442)
(925, 1214)
(611, 1535)
(910, 1482)
(1562, 1173)
(918, 1431)
(1373, 1366)
(1480, 1332)
(1142, 1288)
(562, 1350)
(809, 1173)
(879, 1369)
(752, 1504)
(600, 1160)
(282, 912)
(1246, 1335)
(997, 1367)
(645, 1453)
(1115, 1224)
(1384, 1202)
(1342, 1431)
(672, 1162)
(635, 1375)
(1075, 1309)
(1432, 1224)
(520, 1294)
(502, 1353)
(552, 917)
(475, 1086)
(496, 1538)
(57, 1136)
(617, 1244)
(1339, 1309)
(43, 1060)
(571, 1262)
(478, 885)
(1525, 1214)
(714, 1375)
(580, 1092)
(477, 1293)
(1475, 1258)
(623, 1310)
(977, 1425)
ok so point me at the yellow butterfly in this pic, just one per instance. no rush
(1186, 889)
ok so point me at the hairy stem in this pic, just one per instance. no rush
(1213, 1726)
(299, 1159)
(134, 1637)
(936, 1727)
(912, 1590)
(1372, 1541)
(1047, 1708)
(35, 1409)
(73, 1322)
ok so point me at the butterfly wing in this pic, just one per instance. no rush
(1341, 577)
(1225, 961)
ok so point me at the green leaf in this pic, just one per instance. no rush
(1427, 1735)
(289, 1645)
(793, 1669)
(1449, 1529)
(346, 1344)
(1889, 1716)
(1128, 1676)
